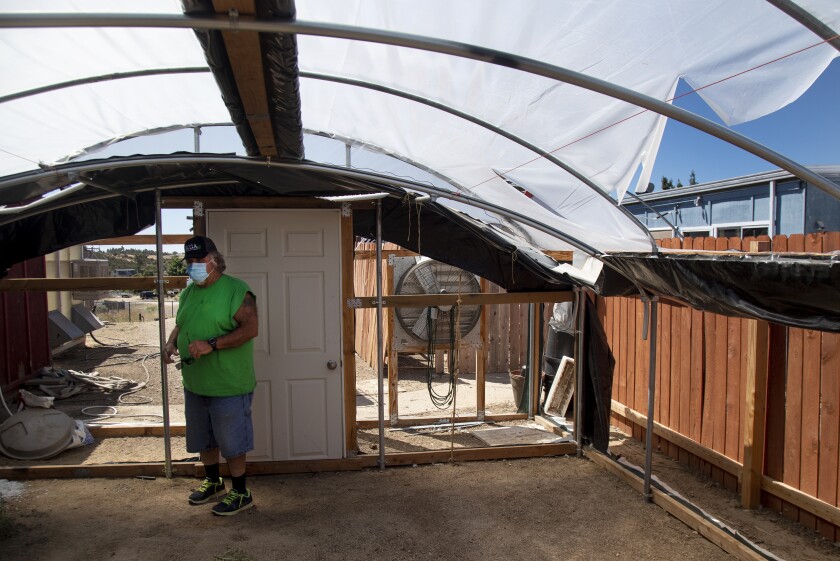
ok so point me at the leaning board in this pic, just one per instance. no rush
(562, 389)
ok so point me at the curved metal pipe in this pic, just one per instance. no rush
(103, 78)
(454, 48)
(493, 128)
(367, 176)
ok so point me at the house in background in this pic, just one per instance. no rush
(768, 203)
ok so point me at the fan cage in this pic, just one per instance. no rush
(448, 278)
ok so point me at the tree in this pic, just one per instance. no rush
(667, 183)
(692, 179)
(679, 183)
(175, 267)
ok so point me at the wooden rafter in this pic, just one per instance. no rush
(245, 55)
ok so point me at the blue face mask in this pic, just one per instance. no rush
(198, 272)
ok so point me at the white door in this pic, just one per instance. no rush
(291, 261)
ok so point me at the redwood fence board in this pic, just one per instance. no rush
(701, 368)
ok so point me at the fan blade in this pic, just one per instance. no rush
(428, 280)
(421, 327)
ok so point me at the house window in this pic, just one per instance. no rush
(753, 231)
(741, 231)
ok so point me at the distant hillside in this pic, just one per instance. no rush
(143, 261)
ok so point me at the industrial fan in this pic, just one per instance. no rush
(436, 327)
(440, 324)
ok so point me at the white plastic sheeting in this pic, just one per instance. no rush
(645, 46)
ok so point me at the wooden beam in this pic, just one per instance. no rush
(481, 359)
(144, 239)
(479, 454)
(755, 411)
(90, 283)
(467, 299)
(125, 430)
(245, 56)
(680, 511)
(253, 202)
(148, 469)
(716, 458)
(393, 362)
(348, 334)
(536, 367)
(192, 469)
(414, 421)
(801, 500)
(371, 254)
(560, 256)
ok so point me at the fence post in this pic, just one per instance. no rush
(755, 403)
(755, 412)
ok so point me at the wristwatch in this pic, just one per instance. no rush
(212, 341)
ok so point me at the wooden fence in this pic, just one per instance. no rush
(507, 324)
(700, 400)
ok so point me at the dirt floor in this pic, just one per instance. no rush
(545, 508)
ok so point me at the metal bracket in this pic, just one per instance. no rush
(354, 303)
(392, 259)
(394, 420)
(346, 210)
(198, 208)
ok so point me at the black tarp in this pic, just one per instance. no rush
(790, 289)
(279, 59)
(597, 381)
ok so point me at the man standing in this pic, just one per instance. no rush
(214, 332)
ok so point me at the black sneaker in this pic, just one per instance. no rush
(207, 490)
(233, 503)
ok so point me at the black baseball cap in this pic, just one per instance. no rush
(198, 247)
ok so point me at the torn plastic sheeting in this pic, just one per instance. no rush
(798, 291)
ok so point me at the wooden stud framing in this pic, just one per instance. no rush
(465, 299)
(348, 334)
(89, 283)
(534, 352)
(481, 360)
(190, 469)
(388, 289)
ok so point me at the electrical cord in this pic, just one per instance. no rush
(114, 413)
(441, 401)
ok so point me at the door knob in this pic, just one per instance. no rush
(332, 365)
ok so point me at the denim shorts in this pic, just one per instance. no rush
(219, 422)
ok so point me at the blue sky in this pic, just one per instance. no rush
(807, 131)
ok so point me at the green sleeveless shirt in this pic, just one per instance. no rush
(205, 312)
